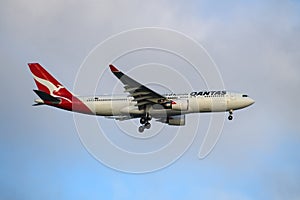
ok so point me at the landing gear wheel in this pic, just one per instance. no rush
(141, 129)
(143, 120)
(147, 125)
(230, 117)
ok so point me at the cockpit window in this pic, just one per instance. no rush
(244, 95)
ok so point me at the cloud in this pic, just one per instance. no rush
(256, 46)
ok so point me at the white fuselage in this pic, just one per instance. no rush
(195, 102)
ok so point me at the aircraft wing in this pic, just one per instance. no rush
(142, 94)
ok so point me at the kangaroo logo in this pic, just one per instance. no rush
(53, 89)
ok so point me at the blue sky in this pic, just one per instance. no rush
(256, 47)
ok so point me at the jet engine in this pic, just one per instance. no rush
(178, 120)
(180, 105)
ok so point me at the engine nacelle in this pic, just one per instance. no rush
(176, 120)
(181, 105)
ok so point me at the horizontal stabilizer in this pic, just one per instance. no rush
(47, 97)
(37, 104)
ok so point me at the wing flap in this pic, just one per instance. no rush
(130, 89)
(136, 94)
(142, 98)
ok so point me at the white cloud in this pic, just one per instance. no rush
(256, 47)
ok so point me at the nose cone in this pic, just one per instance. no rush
(250, 101)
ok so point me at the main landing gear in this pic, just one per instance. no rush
(230, 117)
(145, 123)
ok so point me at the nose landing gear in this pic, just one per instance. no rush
(230, 117)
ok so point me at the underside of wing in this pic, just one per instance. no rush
(142, 94)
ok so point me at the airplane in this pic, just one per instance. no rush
(142, 102)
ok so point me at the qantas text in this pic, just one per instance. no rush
(208, 93)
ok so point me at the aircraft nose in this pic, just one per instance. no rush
(250, 101)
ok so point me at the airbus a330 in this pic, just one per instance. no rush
(140, 102)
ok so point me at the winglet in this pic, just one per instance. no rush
(113, 68)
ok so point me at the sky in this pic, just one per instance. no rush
(255, 45)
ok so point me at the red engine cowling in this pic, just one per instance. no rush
(179, 105)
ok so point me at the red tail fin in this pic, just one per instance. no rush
(47, 83)
(53, 93)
